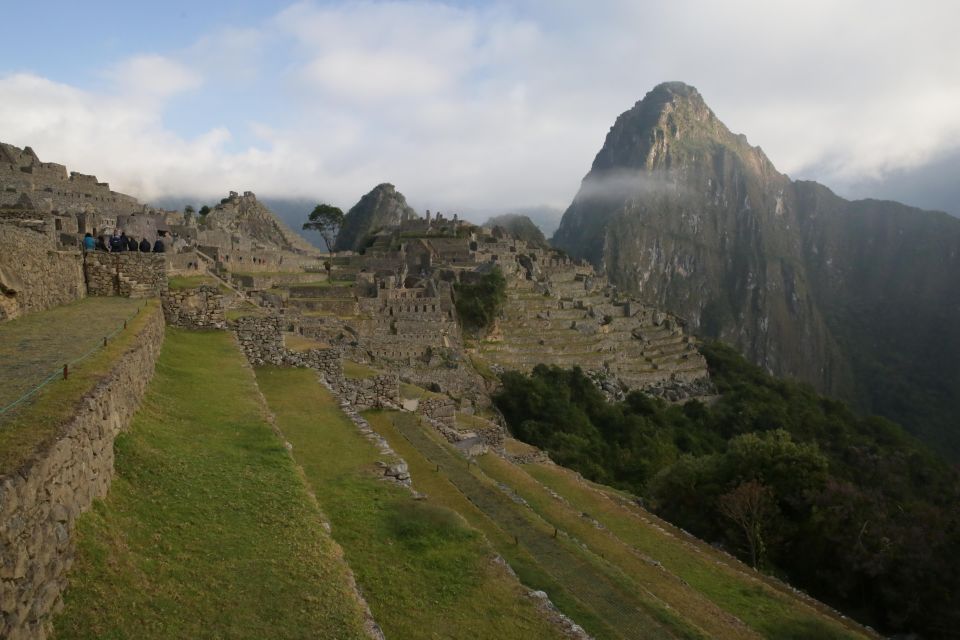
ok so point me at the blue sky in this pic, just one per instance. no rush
(471, 106)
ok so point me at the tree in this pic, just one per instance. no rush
(204, 210)
(751, 507)
(188, 212)
(326, 219)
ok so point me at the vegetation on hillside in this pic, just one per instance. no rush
(478, 304)
(850, 508)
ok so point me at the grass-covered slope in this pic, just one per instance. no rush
(423, 570)
(209, 530)
(850, 508)
(609, 565)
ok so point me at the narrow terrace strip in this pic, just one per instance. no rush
(599, 586)
(423, 571)
(775, 612)
(209, 530)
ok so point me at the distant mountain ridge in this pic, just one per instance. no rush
(859, 298)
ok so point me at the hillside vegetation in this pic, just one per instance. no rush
(850, 508)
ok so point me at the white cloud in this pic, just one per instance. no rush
(498, 105)
(152, 76)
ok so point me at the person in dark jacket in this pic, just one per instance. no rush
(158, 246)
(144, 246)
(132, 244)
(117, 242)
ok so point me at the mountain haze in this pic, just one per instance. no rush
(858, 298)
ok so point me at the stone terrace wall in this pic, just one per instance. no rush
(372, 393)
(441, 409)
(129, 274)
(40, 502)
(33, 275)
(198, 308)
(261, 339)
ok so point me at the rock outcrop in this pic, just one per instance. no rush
(858, 298)
(247, 217)
(383, 207)
(519, 226)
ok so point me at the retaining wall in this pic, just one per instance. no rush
(34, 275)
(199, 308)
(129, 274)
(40, 502)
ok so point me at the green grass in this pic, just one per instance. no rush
(357, 371)
(615, 606)
(768, 609)
(247, 310)
(33, 347)
(425, 573)
(414, 392)
(690, 604)
(437, 485)
(298, 343)
(177, 283)
(209, 530)
(467, 422)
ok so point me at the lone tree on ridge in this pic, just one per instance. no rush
(326, 219)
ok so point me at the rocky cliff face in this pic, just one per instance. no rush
(246, 216)
(384, 206)
(519, 226)
(854, 297)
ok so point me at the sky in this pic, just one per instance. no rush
(476, 107)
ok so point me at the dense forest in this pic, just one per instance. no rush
(850, 508)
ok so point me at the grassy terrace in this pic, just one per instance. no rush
(768, 608)
(177, 283)
(209, 530)
(425, 573)
(33, 347)
(593, 591)
(357, 371)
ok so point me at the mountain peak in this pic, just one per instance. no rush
(669, 115)
(383, 206)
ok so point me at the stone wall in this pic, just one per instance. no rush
(33, 275)
(372, 393)
(129, 274)
(198, 308)
(40, 502)
(439, 408)
(261, 339)
(50, 186)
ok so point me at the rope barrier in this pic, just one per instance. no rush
(62, 372)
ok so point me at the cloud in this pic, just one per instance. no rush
(152, 76)
(491, 106)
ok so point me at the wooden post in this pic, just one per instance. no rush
(66, 371)
(104, 340)
(516, 541)
(554, 532)
(124, 324)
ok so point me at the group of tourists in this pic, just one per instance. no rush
(120, 241)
